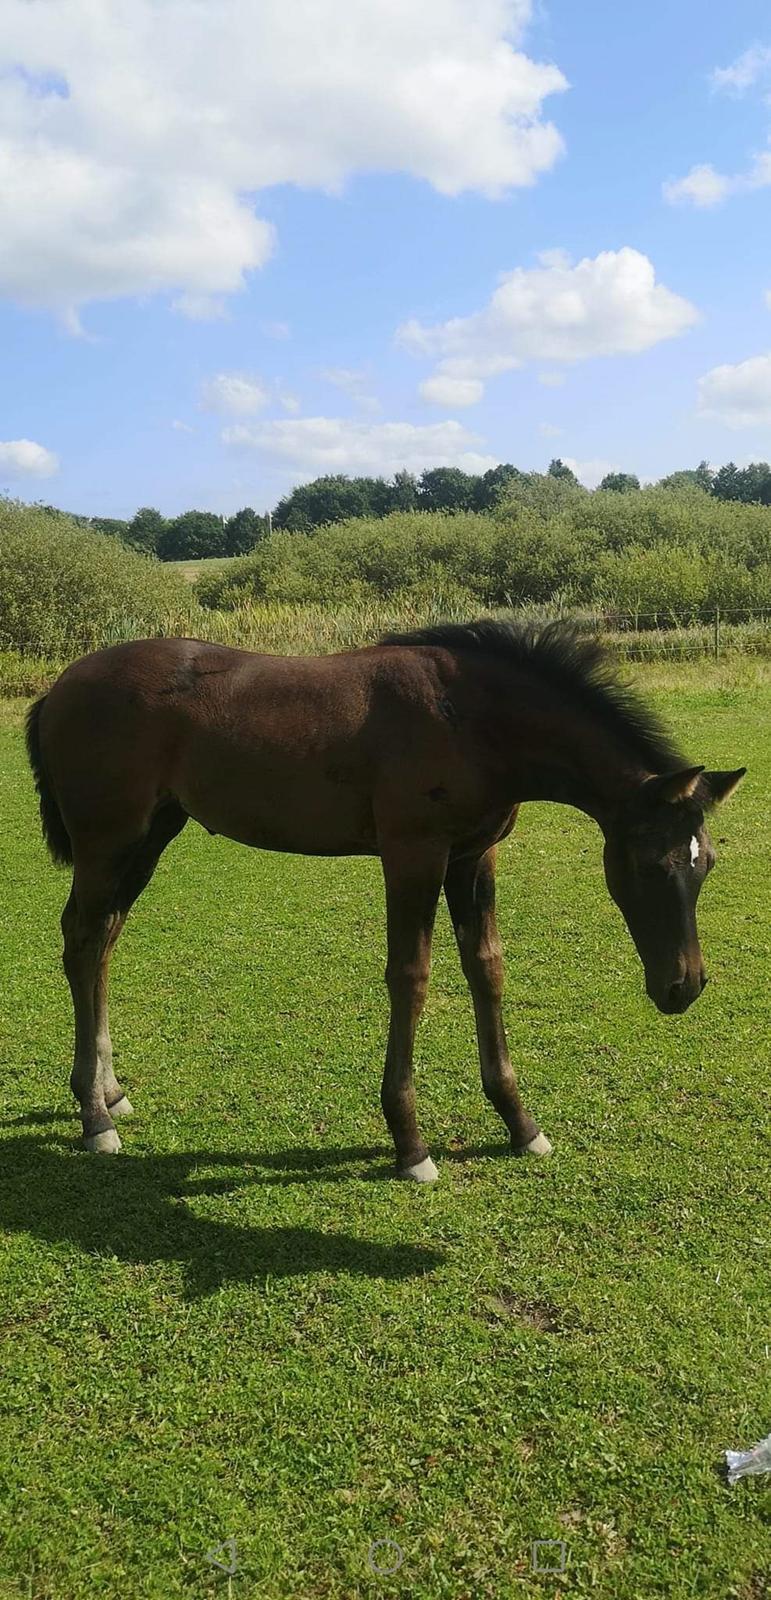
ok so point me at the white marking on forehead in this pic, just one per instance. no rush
(694, 850)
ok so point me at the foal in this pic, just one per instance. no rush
(418, 750)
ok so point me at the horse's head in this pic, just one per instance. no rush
(657, 854)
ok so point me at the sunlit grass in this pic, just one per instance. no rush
(244, 1327)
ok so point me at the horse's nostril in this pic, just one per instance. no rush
(676, 997)
(681, 994)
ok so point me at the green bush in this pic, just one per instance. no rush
(670, 582)
(656, 558)
(65, 589)
(686, 518)
(371, 556)
(674, 555)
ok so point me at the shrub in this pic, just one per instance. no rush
(642, 552)
(65, 589)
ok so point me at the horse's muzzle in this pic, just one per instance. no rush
(676, 999)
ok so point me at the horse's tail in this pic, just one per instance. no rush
(54, 830)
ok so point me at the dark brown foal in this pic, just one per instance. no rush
(417, 750)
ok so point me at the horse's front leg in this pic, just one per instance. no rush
(470, 890)
(413, 877)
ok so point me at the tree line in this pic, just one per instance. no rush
(198, 535)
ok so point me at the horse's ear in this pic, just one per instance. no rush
(722, 784)
(672, 786)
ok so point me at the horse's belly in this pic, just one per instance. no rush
(303, 817)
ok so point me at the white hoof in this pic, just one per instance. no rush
(539, 1146)
(103, 1144)
(423, 1171)
(122, 1108)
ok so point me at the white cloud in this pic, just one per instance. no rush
(549, 431)
(234, 393)
(767, 298)
(738, 395)
(355, 382)
(276, 330)
(551, 380)
(135, 136)
(443, 390)
(745, 71)
(607, 305)
(290, 403)
(590, 473)
(181, 427)
(316, 445)
(702, 187)
(23, 458)
(759, 175)
(200, 307)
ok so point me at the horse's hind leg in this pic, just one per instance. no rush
(90, 938)
(88, 921)
(118, 1103)
(470, 891)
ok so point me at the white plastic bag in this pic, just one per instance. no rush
(744, 1463)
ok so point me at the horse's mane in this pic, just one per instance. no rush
(576, 666)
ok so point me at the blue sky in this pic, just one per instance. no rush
(294, 239)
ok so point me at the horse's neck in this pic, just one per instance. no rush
(566, 757)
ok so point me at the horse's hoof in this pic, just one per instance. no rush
(539, 1146)
(122, 1107)
(422, 1172)
(102, 1144)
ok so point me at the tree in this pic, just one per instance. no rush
(146, 529)
(243, 530)
(404, 492)
(490, 489)
(620, 482)
(116, 528)
(751, 484)
(193, 536)
(379, 496)
(755, 483)
(726, 483)
(329, 499)
(560, 469)
(445, 489)
(690, 478)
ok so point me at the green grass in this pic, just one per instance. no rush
(193, 569)
(243, 1327)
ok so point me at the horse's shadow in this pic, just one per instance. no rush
(133, 1208)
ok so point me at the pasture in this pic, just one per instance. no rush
(243, 1327)
(200, 566)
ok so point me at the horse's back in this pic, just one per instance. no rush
(280, 751)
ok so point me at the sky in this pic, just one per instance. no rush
(247, 242)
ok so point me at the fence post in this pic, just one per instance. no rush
(717, 632)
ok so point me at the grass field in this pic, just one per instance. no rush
(191, 570)
(242, 1327)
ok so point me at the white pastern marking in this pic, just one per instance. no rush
(694, 851)
(423, 1172)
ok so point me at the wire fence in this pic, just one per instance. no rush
(672, 634)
